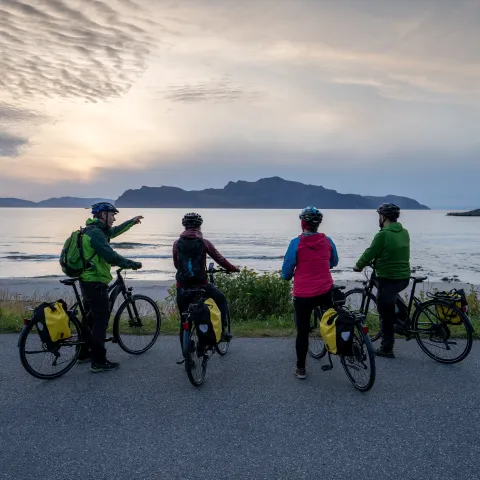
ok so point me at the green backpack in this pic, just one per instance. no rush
(72, 260)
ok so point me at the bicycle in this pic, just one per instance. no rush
(363, 358)
(439, 334)
(196, 355)
(136, 321)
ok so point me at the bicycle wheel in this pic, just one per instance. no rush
(360, 367)
(316, 345)
(222, 346)
(440, 340)
(137, 324)
(195, 358)
(48, 363)
(354, 304)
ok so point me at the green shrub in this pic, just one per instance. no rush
(251, 296)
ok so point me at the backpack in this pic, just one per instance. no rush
(336, 329)
(455, 297)
(191, 265)
(208, 321)
(52, 321)
(72, 260)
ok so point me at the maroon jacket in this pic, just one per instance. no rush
(209, 249)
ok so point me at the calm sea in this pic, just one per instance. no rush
(31, 239)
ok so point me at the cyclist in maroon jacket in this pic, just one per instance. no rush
(190, 259)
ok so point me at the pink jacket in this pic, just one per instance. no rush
(308, 260)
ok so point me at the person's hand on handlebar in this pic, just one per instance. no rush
(136, 265)
(356, 269)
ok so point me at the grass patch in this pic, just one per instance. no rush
(260, 306)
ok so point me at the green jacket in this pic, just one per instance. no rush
(98, 252)
(391, 250)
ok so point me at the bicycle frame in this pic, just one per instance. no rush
(414, 301)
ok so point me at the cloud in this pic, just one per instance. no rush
(10, 145)
(11, 114)
(217, 91)
(77, 50)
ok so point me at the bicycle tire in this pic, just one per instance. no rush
(373, 299)
(76, 343)
(443, 328)
(360, 337)
(316, 346)
(223, 346)
(191, 367)
(130, 304)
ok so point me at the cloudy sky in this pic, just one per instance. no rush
(363, 96)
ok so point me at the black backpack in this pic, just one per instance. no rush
(190, 264)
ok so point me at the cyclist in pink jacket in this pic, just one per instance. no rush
(308, 260)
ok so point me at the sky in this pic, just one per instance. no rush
(363, 96)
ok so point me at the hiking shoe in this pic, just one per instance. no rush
(226, 337)
(301, 373)
(104, 367)
(383, 352)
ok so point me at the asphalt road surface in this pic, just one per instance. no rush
(252, 419)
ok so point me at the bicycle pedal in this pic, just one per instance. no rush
(179, 362)
(326, 367)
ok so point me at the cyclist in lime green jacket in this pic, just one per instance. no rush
(99, 257)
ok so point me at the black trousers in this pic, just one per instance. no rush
(386, 299)
(95, 299)
(184, 300)
(303, 313)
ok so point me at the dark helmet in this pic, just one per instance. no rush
(192, 220)
(103, 207)
(313, 216)
(389, 210)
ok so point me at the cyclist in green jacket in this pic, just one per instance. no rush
(390, 251)
(99, 257)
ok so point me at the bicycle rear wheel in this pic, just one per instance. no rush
(360, 367)
(353, 302)
(137, 324)
(48, 363)
(316, 345)
(195, 358)
(444, 342)
(222, 346)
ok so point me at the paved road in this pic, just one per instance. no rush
(252, 419)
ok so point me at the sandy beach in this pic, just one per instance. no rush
(51, 287)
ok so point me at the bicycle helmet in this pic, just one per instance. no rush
(103, 207)
(389, 210)
(312, 216)
(192, 220)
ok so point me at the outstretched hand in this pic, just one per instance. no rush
(138, 219)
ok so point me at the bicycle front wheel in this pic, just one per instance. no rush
(195, 358)
(224, 344)
(137, 324)
(49, 362)
(316, 345)
(353, 302)
(445, 342)
(360, 366)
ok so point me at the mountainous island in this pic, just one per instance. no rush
(471, 213)
(274, 192)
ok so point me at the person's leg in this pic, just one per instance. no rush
(303, 311)
(95, 296)
(386, 299)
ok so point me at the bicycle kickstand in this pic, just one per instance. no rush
(330, 365)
